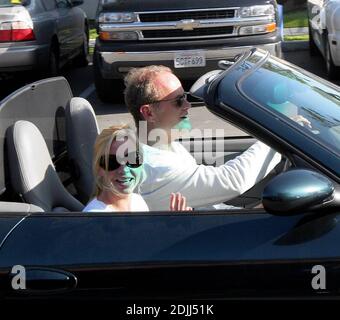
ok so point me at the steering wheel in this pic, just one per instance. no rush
(252, 197)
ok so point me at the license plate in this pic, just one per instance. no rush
(189, 60)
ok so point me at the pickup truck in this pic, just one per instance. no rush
(188, 36)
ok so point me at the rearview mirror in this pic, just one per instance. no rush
(299, 190)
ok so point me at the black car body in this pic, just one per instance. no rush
(270, 252)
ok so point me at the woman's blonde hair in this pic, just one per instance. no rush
(102, 148)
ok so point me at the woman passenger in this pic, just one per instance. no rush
(118, 172)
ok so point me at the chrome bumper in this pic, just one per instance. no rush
(115, 64)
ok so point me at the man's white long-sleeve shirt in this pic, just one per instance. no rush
(176, 170)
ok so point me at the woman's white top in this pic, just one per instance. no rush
(137, 204)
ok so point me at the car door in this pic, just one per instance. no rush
(210, 255)
(8, 222)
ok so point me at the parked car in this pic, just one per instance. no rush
(269, 251)
(42, 35)
(324, 33)
(187, 36)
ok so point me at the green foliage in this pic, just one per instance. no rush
(303, 37)
(295, 19)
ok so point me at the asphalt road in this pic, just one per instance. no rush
(81, 81)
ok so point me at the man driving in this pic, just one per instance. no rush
(156, 98)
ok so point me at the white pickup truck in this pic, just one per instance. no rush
(324, 32)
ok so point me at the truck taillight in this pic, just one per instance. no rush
(16, 31)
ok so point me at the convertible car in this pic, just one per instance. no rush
(281, 241)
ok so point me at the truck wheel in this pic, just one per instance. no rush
(108, 90)
(333, 71)
(313, 49)
(82, 59)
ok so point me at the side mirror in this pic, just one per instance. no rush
(299, 190)
(76, 3)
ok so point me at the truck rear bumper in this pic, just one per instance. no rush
(114, 65)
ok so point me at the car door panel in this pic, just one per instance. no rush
(119, 255)
(7, 222)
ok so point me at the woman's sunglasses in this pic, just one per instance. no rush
(134, 161)
(179, 100)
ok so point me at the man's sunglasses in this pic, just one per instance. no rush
(179, 100)
(134, 161)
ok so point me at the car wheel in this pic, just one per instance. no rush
(82, 59)
(108, 90)
(333, 71)
(53, 62)
(313, 49)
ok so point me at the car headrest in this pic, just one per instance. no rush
(32, 172)
(81, 131)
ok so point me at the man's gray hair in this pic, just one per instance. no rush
(140, 88)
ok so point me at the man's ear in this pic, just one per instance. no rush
(147, 112)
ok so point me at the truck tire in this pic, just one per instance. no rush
(333, 72)
(108, 90)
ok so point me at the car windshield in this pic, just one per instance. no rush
(291, 94)
(7, 3)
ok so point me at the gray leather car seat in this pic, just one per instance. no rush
(81, 132)
(32, 172)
